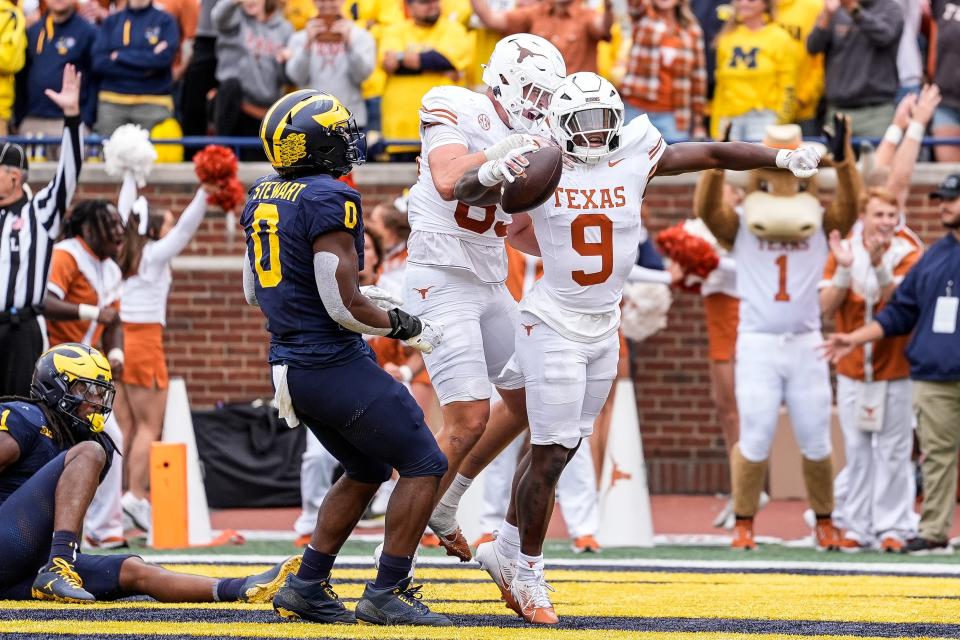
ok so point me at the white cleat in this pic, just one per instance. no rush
(535, 605)
(501, 569)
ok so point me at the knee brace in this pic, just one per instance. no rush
(818, 478)
(746, 480)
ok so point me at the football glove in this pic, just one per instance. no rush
(381, 297)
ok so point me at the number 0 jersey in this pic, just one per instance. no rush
(589, 234)
(281, 220)
(448, 233)
(777, 282)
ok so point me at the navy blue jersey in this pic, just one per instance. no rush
(281, 220)
(25, 422)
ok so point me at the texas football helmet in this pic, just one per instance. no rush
(70, 375)
(585, 117)
(311, 131)
(523, 72)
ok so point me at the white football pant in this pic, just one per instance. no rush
(316, 475)
(105, 516)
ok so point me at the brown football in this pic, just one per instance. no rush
(537, 183)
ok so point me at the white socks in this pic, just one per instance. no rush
(443, 521)
(508, 541)
(529, 567)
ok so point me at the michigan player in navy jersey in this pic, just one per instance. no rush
(53, 454)
(304, 234)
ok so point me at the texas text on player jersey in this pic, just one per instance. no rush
(589, 233)
(281, 220)
(450, 233)
(777, 282)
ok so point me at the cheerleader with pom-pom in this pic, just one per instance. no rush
(152, 240)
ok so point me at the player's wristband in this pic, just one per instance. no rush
(884, 275)
(915, 130)
(88, 312)
(115, 355)
(403, 326)
(505, 146)
(783, 158)
(406, 373)
(893, 135)
(841, 278)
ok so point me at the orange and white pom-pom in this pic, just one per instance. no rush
(645, 309)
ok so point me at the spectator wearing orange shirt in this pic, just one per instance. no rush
(572, 27)
(666, 74)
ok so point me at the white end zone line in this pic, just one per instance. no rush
(573, 563)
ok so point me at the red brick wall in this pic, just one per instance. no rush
(218, 343)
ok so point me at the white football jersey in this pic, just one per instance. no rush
(589, 233)
(777, 282)
(450, 233)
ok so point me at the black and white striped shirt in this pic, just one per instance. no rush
(29, 227)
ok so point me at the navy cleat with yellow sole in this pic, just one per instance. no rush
(397, 605)
(262, 587)
(58, 581)
(312, 600)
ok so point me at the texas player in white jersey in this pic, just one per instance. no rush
(566, 337)
(778, 242)
(457, 262)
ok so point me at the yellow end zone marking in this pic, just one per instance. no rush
(655, 594)
(370, 632)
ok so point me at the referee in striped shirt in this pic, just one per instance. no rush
(28, 229)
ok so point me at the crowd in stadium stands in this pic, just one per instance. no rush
(199, 67)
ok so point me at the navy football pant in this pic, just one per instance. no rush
(26, 531)
(367, 420)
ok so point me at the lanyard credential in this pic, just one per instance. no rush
(945, 313)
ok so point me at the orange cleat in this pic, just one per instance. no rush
(533, 600)
(456, 545)
(585, 544)
(111, 542)
(303, 540)
(484, 537)
(429, 541)
(891, 545)
(828, 536)
(849, 545)
(743, 535)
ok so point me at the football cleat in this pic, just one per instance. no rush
(429, 541)
(484, 537)
(303, 540)
(585, 544)
(849, 545)
(827, 535)
(262, 587)
(743, 535)
(395, 605)
(59, 581)
(922, 547)
(532, 598)
(312, 600)
(111, 542)
(456, 545)
(502, 570)
(891, 545)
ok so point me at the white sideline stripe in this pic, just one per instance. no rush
(639, 563)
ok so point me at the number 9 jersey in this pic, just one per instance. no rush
(589, 234)
(280, 221)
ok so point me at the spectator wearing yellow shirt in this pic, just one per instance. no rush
(756, 73)
(418, 54)
(798, 17)
(13, 55)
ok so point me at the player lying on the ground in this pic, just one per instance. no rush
(305, 240)
(566, 339)
(53, 454)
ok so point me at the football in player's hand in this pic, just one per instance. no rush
(537, 182)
